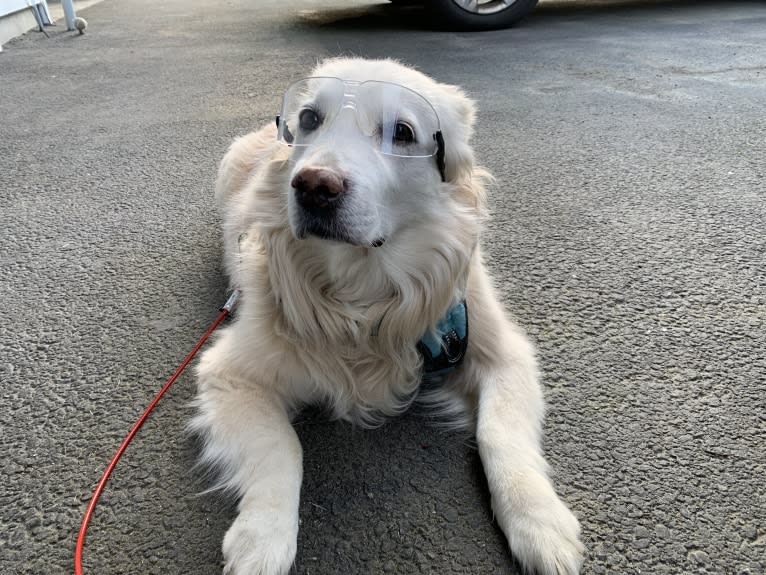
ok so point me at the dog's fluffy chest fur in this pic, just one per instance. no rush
(356, 341)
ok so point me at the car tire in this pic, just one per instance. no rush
(478, 15)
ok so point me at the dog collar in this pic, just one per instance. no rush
(443, 349)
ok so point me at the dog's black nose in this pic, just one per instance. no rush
(318, 188)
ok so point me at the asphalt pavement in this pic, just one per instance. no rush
(629, 142)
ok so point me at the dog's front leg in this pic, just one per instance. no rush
(248, 436)
(542, 532)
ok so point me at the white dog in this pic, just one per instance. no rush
(352, 230)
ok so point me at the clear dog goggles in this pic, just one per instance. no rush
(395, 120)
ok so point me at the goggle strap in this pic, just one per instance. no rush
(440, 154)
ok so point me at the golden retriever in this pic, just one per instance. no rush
(352, 229)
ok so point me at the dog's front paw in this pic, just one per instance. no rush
(545, 536)
(257, 545)
(549, 544)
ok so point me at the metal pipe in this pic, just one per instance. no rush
(69, 14)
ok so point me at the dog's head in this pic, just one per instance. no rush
(375, 146)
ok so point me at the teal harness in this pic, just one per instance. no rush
(443, 349)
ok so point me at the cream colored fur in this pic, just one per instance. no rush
(336, 323)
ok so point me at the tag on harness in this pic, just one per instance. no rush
(444, 349)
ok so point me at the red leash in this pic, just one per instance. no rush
(225, 310)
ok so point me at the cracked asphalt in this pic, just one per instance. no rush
(628, 140)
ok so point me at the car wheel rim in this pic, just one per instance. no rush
(484, 7)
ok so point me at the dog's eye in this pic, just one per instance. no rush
(403, 133)
(309, 120)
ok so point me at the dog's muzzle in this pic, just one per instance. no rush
(320, 193)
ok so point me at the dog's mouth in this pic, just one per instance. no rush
(322, 228)
(330, 230)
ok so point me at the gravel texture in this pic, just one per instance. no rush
(628, 139)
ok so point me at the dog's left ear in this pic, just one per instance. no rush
(457, 113)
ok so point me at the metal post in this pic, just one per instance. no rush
(68, 7)
(42, 6)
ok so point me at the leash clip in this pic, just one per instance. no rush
(232, 302)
